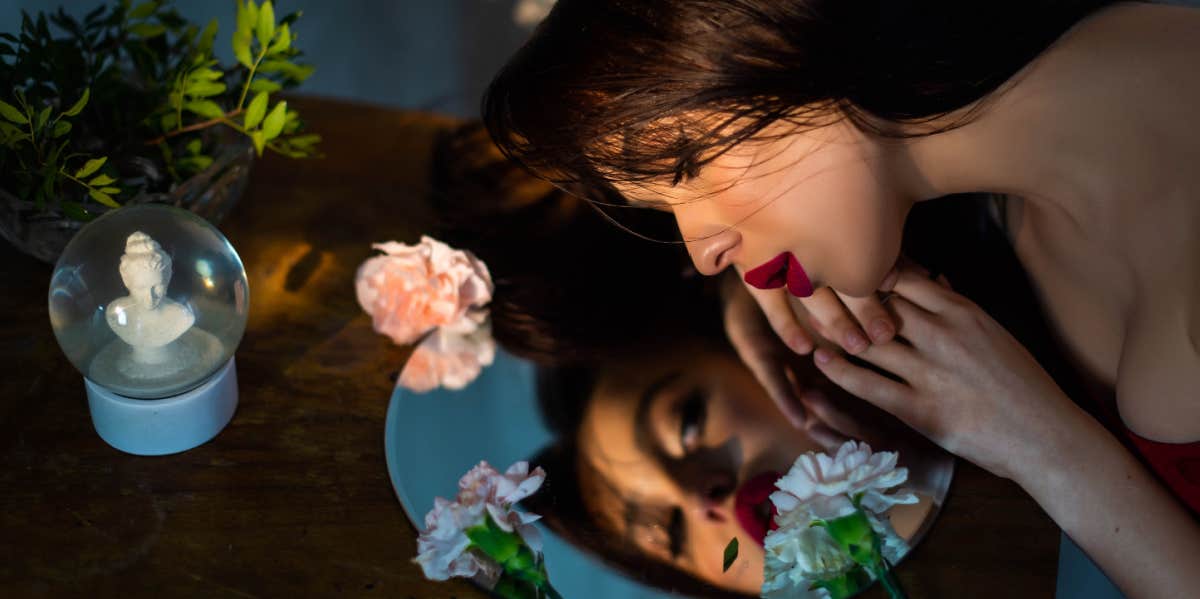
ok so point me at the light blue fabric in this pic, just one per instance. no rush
(1079, 577)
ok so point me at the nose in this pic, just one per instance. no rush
(714, 253)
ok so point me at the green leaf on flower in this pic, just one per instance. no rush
(205, 108)
(77, 107)
(101, 181)
(90, 167)
(103, 198)
(266, 24)
(143, 10)
(273, 125)
(11, 113)
(147, 30)
(731, 554)
(256, 110)
(495, 542)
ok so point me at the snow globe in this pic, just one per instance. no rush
(149, 303)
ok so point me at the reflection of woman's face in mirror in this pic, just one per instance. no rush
(673, 446)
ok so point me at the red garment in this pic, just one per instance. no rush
(1177, 464)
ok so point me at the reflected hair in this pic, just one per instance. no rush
(631, 91)
(563, 395)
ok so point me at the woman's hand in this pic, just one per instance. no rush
(966, 383)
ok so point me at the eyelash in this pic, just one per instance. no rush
(692, 413)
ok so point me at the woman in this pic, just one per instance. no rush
(791, 139)
(668, 452)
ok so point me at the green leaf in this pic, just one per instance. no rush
(90, 167)
(305, 141)
(77, 107)
(169, 121)
(194, 146)
(110, 190)
(195, 163)
(61, 128)
(42, 118)
(103, 198)
(241, 49)
(147, 30)
(205, 108)
(143, 10)
(205, 44)
(731, 554)
(9, 131)
(259, 141)
(101, 180)
(205, 89)
(266, 24)
(247, 16)
(283, 40)
(256, 110)
(298, 72)
(205, 75)
(264, 85)
(273, 125)
(11, 113)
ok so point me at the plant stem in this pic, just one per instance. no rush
(68, 175)
(198, 126)
(250, 77)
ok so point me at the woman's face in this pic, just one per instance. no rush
(832, 196)
(682, 450)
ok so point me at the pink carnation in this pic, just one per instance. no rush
(412, 289)
(443, 547)
(448, 359)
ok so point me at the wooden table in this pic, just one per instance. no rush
(293, 497)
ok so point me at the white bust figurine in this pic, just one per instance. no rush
(146, 319)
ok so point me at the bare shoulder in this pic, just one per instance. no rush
(1158, 382)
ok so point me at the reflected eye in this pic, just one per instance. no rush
(692, 412)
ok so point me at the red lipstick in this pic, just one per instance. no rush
(782, 270)
(753, 508)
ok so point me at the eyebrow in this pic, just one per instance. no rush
(669, 519)
(643, 434)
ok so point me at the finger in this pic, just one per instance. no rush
(914, 323)
(896, 358)
(772, 375)
(922, 291)
(775, 306)
(822, 409)
(889, 395)
(871, 316)
(833, 320)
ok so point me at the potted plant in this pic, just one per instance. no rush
(128, 105)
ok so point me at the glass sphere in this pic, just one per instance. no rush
(148, 301)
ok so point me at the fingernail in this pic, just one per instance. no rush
(822, 355)
(855, 342)
(881, 330)
(800, 344)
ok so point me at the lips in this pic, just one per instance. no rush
(782, 270)
(753, 508)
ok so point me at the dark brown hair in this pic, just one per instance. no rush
(635, 90)
(570, 287)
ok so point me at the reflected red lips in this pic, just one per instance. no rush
(753, 508)
(782, 270)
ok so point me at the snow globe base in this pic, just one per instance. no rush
(168, 425)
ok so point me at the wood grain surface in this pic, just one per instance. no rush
(292, 499)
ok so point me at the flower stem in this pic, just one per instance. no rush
(883, 571)
(196, 127)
